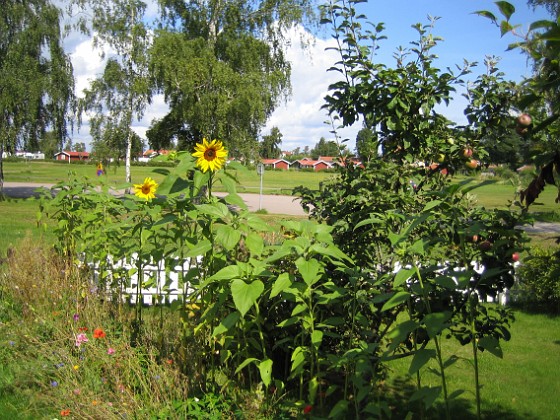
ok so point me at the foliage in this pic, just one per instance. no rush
(366, 144)
(270, 145)
(541, 44)
(222, 69)
(326, 148)
(539, 280)
(428, 250)
(124, 89)
(36, 82)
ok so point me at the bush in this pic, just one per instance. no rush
(505, 173)
(538, 285)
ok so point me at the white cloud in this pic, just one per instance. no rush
(301, 120)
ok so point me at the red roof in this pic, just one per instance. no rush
(74, 154)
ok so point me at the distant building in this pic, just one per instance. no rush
(276, 163)
(71, 156)
(29, 155)
(316, 165)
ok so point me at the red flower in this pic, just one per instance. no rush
(82, 329)
(307, 409)
(98, 333)
(65, 412)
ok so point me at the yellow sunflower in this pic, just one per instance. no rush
(210, 155)
(146, 190)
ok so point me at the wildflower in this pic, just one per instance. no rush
(94, 402)
(75, 367)
(169, 361)
(59, 365)
(65, 412)
(146, 190)
(77, 391)
(307, 409)
(81, 338)
(110, 350)
(54, 383)
(210, 155)
(99, 333)
(12, 343)
(76, 317)
(82, 329)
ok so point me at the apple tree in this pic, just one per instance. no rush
(416, 233)
(538, 124)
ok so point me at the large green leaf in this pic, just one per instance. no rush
(254, 243)
(421, 357)
(506, 8)
(395, 300)
(227, 236)
(265, 369)
(226, 324)
(219, 210)
(317, 338)
(492, 345)
(245, 295)
(282, 283)
(401, 332)
(402, 276)
(436, 322)
(426, 394)
(309, 270)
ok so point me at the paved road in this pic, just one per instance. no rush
(273, 204)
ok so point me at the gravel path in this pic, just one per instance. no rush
(273, 204)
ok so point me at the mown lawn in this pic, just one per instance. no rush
(18, 219)
(274, 182)
(522, 385)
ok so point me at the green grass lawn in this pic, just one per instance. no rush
(18, 219)
(274, 182)
(522, 385)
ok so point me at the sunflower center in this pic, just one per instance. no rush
(210, 154)
(146, 189)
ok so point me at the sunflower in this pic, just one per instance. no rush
(146, 190)
(210, 155)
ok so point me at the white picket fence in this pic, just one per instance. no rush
(160, 284)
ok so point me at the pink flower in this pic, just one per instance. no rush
(81, 338)
(110, 350)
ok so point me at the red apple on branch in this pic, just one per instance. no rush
(524, 120)
(472, 164)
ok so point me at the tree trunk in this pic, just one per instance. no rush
(1, 170)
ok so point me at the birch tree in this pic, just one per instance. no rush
(122, 92)
(36, 80)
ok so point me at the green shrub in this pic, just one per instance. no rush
(538, 285)
(505, 173)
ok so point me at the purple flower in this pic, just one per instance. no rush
(54, 383)
(12, 343)
(76, 317)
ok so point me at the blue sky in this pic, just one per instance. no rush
(301, 121)
(465, 36)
